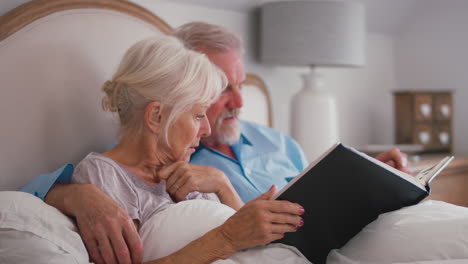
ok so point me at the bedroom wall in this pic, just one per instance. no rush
(362, 121)
(362, 94)
(432, 53)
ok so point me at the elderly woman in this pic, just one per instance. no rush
(161, 92)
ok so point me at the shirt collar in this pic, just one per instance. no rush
(244, 140)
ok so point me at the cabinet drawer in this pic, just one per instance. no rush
(423, 134)
(423, 107)
(442, 135)
(443, 107)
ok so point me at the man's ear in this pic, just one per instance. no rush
(153, 116)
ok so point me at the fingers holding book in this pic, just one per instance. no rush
(262, 221)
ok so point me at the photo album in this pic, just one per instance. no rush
(343, 191)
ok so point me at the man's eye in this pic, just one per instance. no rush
(200, 117)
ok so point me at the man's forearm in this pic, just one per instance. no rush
(61, 197)
(99, 218)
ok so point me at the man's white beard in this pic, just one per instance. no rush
(225, 133)
(228, 133)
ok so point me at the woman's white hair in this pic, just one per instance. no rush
(196, 35)
(160, 69)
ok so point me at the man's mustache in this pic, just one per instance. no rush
(234, 112)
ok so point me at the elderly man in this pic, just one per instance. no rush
(253, 157)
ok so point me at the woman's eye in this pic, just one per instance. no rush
(200, 117)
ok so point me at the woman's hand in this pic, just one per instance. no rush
(182, 178)
(261, 221)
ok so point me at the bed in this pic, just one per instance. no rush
(55, 54)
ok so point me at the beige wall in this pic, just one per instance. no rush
(432, 54)
(363, 118)
(362, 94)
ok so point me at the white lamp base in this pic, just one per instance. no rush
(313, 117)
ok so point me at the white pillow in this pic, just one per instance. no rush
(33, 232)
(430, 231)
(181, 223)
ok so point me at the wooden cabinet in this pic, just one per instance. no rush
(424, 117)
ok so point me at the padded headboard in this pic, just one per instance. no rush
(55, 55)
(257, 103)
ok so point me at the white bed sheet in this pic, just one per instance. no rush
(33, 232)
(428, 233)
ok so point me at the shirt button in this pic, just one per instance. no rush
(248, 171)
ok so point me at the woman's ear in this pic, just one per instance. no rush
(153, 116)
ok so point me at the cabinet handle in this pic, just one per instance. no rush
(424, 137)
(426, 110)
(444, 138)
(445, 110)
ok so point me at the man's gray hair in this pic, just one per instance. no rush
(200, 35)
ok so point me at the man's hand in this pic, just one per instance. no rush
(107, 230)
(395, 158)
(261, 221)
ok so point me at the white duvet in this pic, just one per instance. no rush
(428, 233)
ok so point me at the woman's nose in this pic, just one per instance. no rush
(205, 128)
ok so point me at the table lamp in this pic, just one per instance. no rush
(314, 34)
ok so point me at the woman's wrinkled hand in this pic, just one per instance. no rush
(261, 221)
(183, 178)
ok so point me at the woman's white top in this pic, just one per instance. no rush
(140, 199)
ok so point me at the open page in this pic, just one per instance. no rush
(427, 175)
(422, 178)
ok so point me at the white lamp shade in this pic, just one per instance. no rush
(318, 33)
